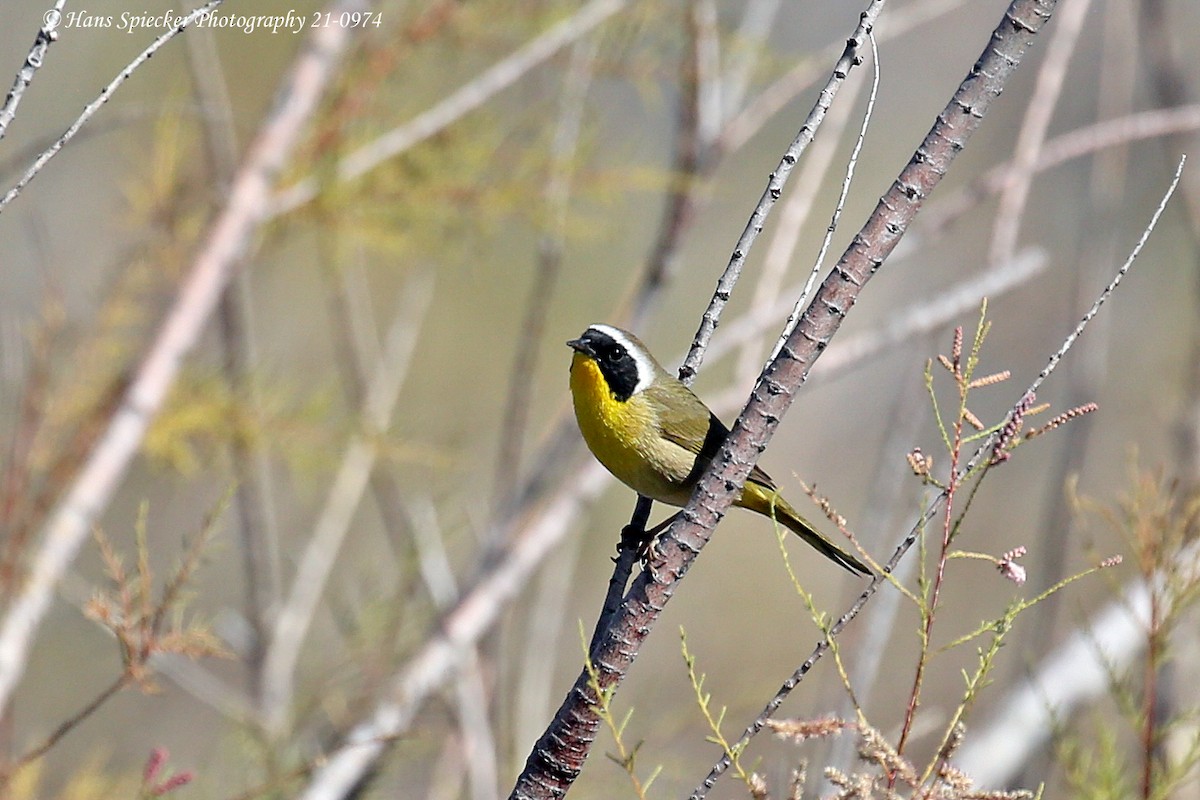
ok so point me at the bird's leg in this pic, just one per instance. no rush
(646, 537)
(635, 539)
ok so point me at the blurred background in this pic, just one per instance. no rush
(405, 328)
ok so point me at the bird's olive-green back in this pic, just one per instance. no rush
(685, 421)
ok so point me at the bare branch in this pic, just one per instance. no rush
(46, 35)
(91, 108)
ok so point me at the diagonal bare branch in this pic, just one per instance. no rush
(90, 110)
(46, 36)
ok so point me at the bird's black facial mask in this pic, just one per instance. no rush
(619, 368)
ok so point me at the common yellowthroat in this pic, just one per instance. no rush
(656, 436)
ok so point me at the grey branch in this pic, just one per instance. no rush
(46, 35)
(94, 106)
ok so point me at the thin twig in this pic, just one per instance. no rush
(122, 681)
(1113, 284)
(792, 218)
(847, 180)
(91, 108)
(711, 317)
(1098, 245)
(46, 36)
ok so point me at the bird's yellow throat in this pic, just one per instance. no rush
(592, 396)
(610, 427)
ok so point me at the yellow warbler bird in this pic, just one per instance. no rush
(657, 437)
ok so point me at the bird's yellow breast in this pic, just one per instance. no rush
(623, 435)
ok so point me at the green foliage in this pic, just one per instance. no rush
(704, 702)
(887, 768)
(1158, 520)
(205, 416)
(1099, 771)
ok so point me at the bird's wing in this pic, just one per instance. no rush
(688, 434)
(689, 424)
(705, 439)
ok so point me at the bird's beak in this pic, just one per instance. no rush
(580, 345)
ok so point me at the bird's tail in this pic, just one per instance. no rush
(771, 504)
